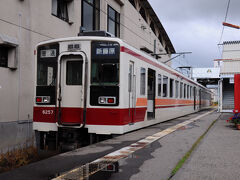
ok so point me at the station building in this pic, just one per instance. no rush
(208, 77)
(229, 65)
(24, 23)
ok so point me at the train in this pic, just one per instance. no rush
(94, 85)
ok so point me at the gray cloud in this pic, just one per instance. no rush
(195, 25)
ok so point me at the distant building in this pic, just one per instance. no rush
(208, 77)
(24, 23)
(229, 65)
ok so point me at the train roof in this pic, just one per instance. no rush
(124, 44)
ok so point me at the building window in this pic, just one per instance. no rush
(143, 14)
(90, 14)
(159, 84)
(3, 56)
(152, 27)
(165, 86)
(142, 81)
(113, 22)
(60, 9)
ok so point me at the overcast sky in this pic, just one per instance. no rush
(196, 26)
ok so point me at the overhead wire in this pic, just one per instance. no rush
(225, 19)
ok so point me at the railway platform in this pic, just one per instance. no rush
(150, 153)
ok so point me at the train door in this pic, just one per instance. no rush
(132, 91)
(71, 89)
(151, 94)
(194, 97)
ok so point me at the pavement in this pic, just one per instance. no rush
(216, 157)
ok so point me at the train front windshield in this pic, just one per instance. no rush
(104, 73)
(46, 74)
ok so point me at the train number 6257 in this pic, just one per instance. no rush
(47, 112)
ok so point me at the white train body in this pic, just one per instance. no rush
(108, 87)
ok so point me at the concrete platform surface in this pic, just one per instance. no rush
(217, 157)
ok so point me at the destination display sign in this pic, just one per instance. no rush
(48, 53)
(105, 50)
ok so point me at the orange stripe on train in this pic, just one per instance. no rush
(143, 102)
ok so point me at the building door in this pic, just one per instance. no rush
(71, 90)
(151, 94)
(132, 91)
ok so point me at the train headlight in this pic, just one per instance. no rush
(102, 100)
(46, 99)
(106, 100)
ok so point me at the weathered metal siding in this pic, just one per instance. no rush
(230, 66)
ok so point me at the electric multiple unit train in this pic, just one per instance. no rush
(91, 85)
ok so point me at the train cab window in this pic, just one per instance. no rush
(74, 73)
(46, 73)
(159, 84)
(142, 81)
(171, 87)
(165, 86)
(176, 89)
(184, 91)
(105, 73)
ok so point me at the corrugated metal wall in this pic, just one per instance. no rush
(230, 66)
(228, 95)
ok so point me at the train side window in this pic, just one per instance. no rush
(176, 89)
(181, 90)
(190, 92)
(187, 91)
(130, 78)
(171, 87)
(159, 84)
(165, 86)
(184, 91)
(142, 81)
(74, 73)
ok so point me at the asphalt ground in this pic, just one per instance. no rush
(154, 161)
